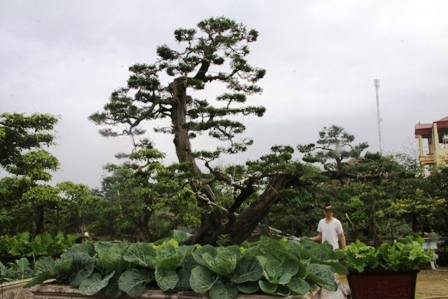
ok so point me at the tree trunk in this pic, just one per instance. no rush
(248, 220)
(38, 219)
(374, 228)
(178, 119)
(415, 223)
(211, 222)
(143, 233)
(241, 227)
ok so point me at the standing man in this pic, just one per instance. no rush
(330, 229)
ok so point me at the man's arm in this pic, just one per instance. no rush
(317, 238)
(342, 238)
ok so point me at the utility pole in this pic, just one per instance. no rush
(376, 82)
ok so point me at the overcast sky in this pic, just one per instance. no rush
(66, 57)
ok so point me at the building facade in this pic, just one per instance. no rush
(436, 135)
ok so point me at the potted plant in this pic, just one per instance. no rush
(389, 271)
(155, 270)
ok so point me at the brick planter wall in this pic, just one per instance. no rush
(52, 291)
(15, 290)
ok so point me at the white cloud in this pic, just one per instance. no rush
(66, 57)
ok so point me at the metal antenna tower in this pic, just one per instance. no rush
(376, 82)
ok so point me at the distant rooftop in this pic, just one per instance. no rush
(426, 129)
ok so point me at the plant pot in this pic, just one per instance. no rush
(384, 284)
(53, 291)
(15, 290)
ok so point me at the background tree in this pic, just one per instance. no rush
(29, 203)
(22, 154)
(144, 200)
(71, 214)
(332, 150)
(20, 133)
(366, 188)
(434, 196)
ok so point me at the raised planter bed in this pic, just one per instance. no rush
(15, 290)
(53, 291)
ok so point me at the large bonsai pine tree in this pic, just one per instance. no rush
(216, 53)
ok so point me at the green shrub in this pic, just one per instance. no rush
(21, 244)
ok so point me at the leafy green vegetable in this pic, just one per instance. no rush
(223, 290)
(359, 256)
(202, 279)
(277, 267)
(21, 244)
(94, 283)
(249, 287)
(405, 254)
(112, 290)
(110, 257)
(83, 265)
(298, 285)
(133, 281)
(166, 279)
(15, 271)
(248, 269)
(221, 260)
(323, 275)
(141, 254)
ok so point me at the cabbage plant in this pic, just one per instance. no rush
(277, 267)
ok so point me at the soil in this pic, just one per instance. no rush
(430, 283)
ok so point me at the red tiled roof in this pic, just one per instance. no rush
(443, 119)
(423, 129)
(426, 129)
(442, 123)
(423, 126)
